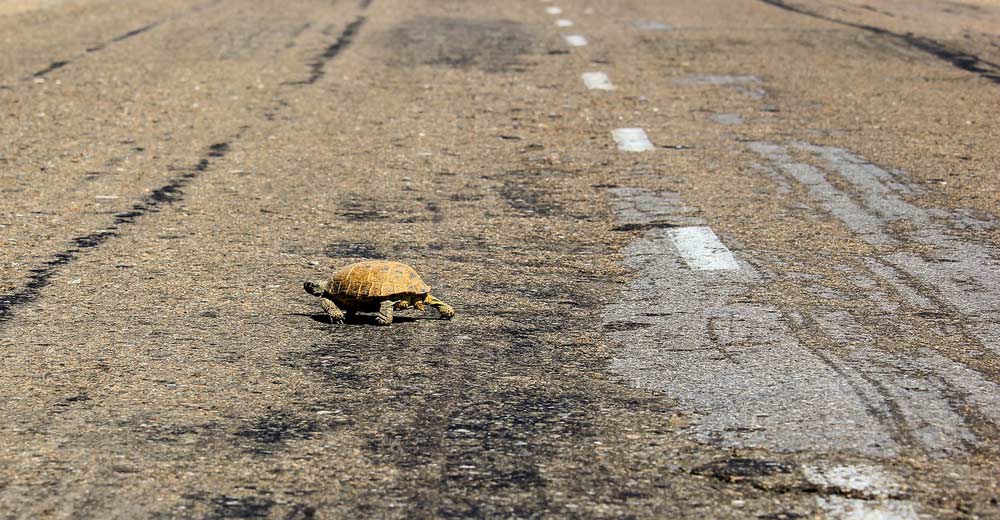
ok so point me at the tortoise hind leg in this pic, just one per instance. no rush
(384, 316)
(336, 315)
(447, 312)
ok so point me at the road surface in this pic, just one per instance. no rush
(710, 259)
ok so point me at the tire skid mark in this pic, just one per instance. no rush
(169, 193)
(873, 204)
(941, 396)
(925, 412)
(295, 34)
(962, 60)
(726, 357)
(980, 421)
(58, 64)
(876, 399)
(345, 39)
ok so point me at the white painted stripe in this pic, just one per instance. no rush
(856, 509)
(575, 40)
(859, 481)
(597, 81)
(632, 140)
(562, 22)
(701, 249)
(553, 10)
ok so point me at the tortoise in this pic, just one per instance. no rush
(375, 286)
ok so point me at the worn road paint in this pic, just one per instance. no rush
(924, 271)
(733, 365)
(795, 379)
(837, 507)
(562, 22)
(839, 204)
(727, 119)
(597, 81)
(632, 140)
(863, 480)
(553, 10)
(715, 80)
(875, 203)
(639, 208)
(575, 40)
(701, 249)
(871, 490)
(651, 25)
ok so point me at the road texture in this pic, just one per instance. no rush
(710, 259)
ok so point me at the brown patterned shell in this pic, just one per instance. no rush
(376, 279)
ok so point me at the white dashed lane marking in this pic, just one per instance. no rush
(701, 249)
(575, 40)
(562, 22)
(553, 10)
(597, 81)
(632, 140)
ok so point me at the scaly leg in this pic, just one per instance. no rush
(447, 312)
(336, 315)
(384, 316)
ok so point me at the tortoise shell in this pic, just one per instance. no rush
(376, 279)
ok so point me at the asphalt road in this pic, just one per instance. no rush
(710, 259)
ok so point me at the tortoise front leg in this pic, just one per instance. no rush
(384, 316)
(336, 315)
(447, 312)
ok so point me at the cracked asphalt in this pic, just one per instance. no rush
(170, 173)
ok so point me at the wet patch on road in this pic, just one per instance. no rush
(492, 439)
(478, 416)
(355, 207)
(528, 200)
(226, 506)
(278, 427)
(488, 45)
(353, 249)
(149, 429)
(736, 469)
(342, 367)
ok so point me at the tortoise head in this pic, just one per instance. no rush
(314, 288)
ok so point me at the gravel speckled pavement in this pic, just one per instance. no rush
(709, 259)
